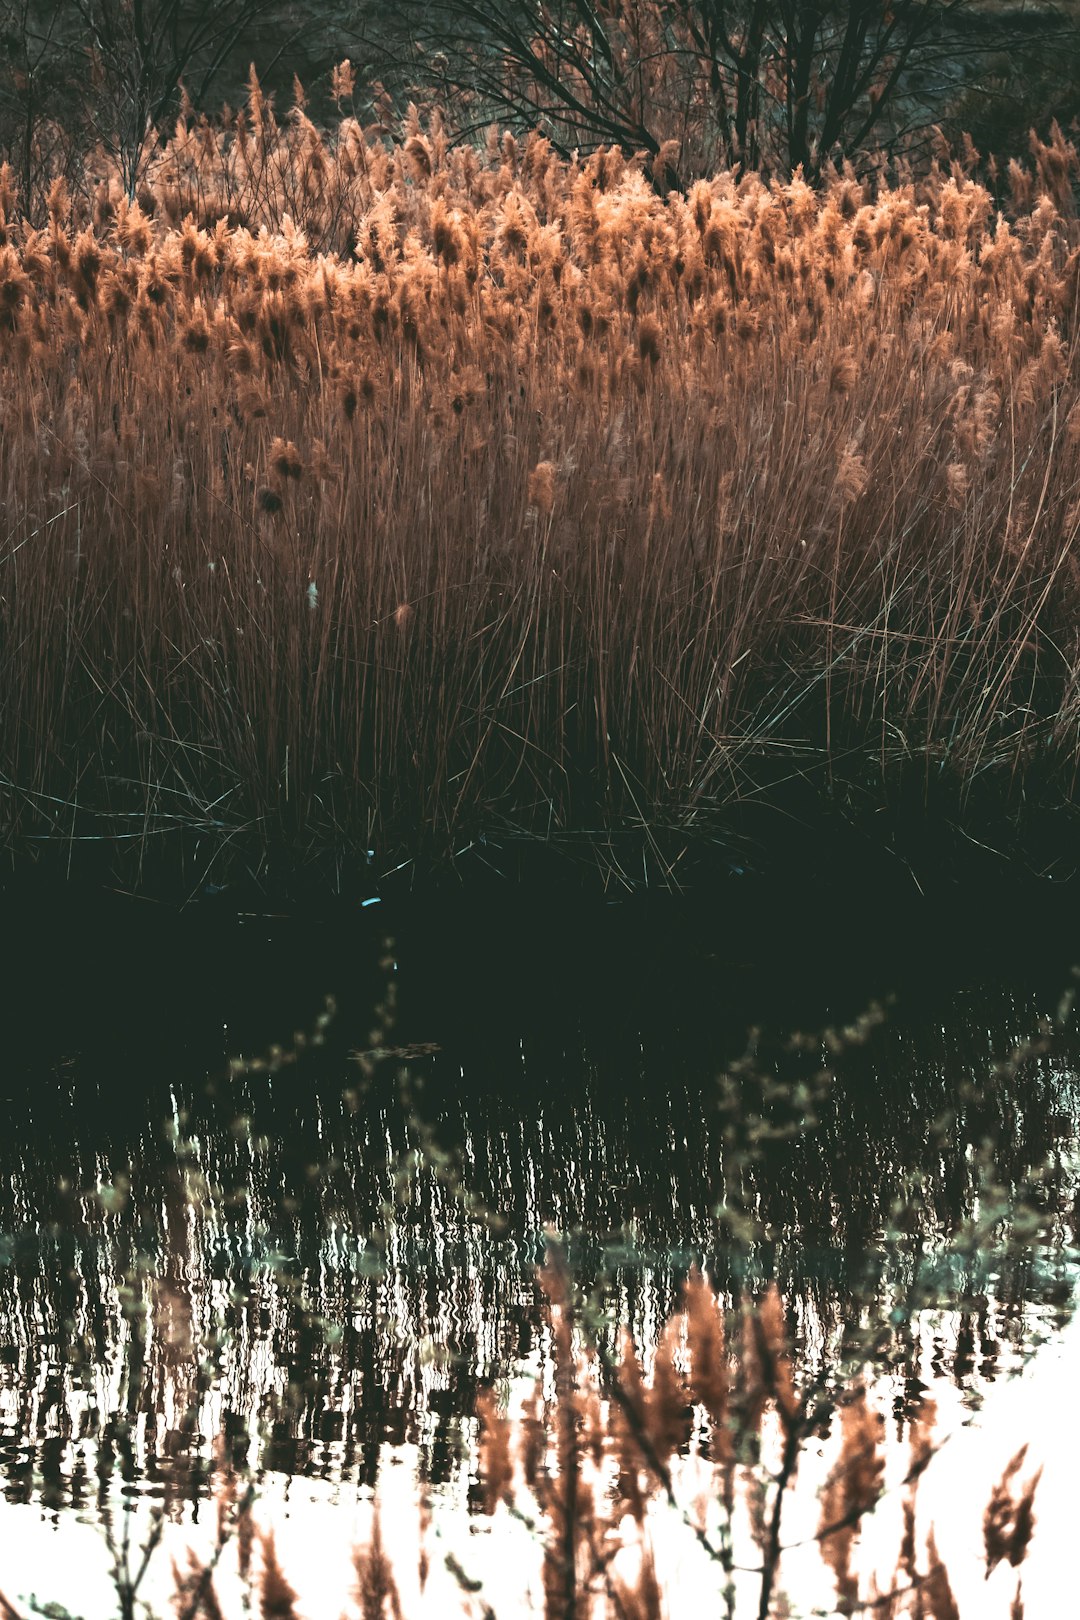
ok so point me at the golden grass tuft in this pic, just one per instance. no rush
(494, 1461)
(851, 1491)
(1010, 1517)
(542, 487)
(376, 1592)
(277, 1597)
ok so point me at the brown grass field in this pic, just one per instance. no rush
(408, 496)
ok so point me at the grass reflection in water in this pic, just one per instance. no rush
(330, 1250)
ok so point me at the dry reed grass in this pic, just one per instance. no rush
(408, 495)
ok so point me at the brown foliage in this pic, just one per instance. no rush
(1010, 1517)
(851, 1490)
(277, 1598)
(376, 1592)
(814, 452)
(494, 1461)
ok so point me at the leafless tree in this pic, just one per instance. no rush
(108, 73)
(36, 60)
(140, 51)
(772, 85)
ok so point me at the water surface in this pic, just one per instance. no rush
(192, 1254)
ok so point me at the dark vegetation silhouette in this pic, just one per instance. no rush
(694, 85)
(762, 86)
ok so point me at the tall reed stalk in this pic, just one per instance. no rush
(419, 496)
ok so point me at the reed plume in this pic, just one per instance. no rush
(376, 1592)
(851, 1491)
(684, 499)
(1010, 1517)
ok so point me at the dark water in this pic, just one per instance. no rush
(189, 1251)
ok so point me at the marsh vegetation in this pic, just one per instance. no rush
(413, 497)
(383, 499)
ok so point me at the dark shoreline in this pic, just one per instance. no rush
(803, 844)
(830, 922)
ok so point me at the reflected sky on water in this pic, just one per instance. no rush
(188, 1252)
